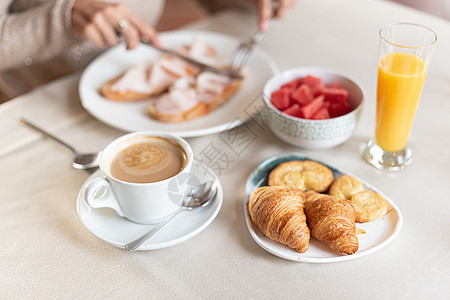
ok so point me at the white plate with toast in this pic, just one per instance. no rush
(378, 233)
(134, 116)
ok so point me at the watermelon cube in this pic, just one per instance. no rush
(312, 107)
(317, 90)
(281, 99)
(338, 109)
(302, 95)
(294, 111)
(321, 114)
(292, 85)
(311, 81)
(335, 85)
(337, 95)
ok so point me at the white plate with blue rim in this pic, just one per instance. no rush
(378, 233)
(133, 116)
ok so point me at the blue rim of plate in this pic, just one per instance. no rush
(259, 177)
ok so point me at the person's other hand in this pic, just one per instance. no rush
(102, 22)
(270, 8)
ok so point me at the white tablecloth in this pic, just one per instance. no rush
(46, 252)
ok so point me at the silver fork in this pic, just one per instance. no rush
(242, 52)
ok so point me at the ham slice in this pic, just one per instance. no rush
(200, 51)
(148, 78)
(159, 76)
(188, 92)
(186, 97)
(181, 97)
(210, 85)
(176, 102)
(134, 79)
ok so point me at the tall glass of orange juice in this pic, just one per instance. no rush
(404, 55)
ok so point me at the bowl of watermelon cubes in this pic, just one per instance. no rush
(312, 107)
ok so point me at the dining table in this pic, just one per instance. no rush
(49, 252)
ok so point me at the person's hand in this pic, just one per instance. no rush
(102, 23)
(268, 9)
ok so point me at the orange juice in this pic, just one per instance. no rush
(400, 81)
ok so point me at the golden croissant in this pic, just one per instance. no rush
(278, 212)
(332, 221)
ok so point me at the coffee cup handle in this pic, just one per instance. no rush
(98, 199)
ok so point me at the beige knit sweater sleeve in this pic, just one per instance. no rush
(36, 34)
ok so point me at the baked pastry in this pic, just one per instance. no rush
(278, 212)
(345, 186)
(191, 97)
(332, 221)
(305, 175)
(368, 205)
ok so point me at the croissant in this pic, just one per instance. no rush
(332, 221)
(278, 212)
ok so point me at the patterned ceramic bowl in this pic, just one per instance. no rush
(314, 134)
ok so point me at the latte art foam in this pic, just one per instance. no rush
(149, 160)
(143, 158)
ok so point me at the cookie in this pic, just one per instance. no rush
(345, 186)
(306, 175)
(368, 206)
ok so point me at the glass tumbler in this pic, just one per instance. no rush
(404, 55)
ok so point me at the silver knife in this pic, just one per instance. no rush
(225, 72)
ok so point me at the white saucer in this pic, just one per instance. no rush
(105, 224)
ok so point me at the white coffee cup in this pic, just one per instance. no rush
(146, 202)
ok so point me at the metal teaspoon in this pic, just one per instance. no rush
(80, 161)
(195, 197)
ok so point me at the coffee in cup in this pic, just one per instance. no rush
(148, 159)
(137, 169)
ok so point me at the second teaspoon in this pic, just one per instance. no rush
(80, 161)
